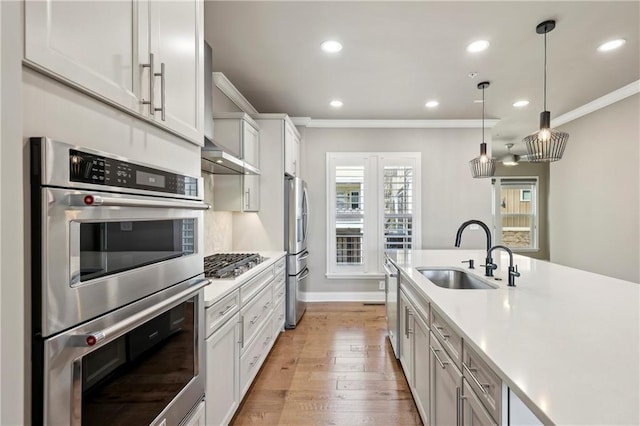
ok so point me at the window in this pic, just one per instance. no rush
(373, 205)
(515, 212)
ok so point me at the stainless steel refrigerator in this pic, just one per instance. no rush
(295, 241)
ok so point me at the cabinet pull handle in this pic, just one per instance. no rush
(226, 309)
(266, 306)
(266, 341)
(406, 321)
(444, 336)
(459, 408)
(253, 321)
(152, 109)
(255, 359)
(433, 351)
(241, 332)
(482, 386)
(162, 108)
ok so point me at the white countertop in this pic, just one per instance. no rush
(221, 287)
(564, 340)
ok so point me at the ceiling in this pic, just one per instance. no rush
(398, 55)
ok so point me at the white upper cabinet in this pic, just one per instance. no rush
(239, 135)
(291, 150)
(104, 48)
(88, 44)
(176, 42)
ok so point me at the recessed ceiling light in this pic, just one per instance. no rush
(336, 103)
(520, 104)
(478, 46)
(432, 104)
(331, 46)
(610, 45)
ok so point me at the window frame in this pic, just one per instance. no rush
(535, 212)
(373, 196)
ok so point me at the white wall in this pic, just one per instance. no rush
(594, 193)
(449, 194)
(13, 311)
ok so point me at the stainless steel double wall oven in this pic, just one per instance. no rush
(117, 289)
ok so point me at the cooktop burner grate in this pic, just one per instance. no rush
(229, 265)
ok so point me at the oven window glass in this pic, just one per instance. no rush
(111, 247)
(132, 379)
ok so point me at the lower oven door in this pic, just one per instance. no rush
(99, 251)
(141, 364)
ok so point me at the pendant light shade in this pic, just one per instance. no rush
(546, 144)
(482, 166)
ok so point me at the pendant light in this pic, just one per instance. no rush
(546, 144)
(482, 166)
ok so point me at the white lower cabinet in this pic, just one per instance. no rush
(223, 358)
(254, 354)
(242, 328)
(197, 418)
(473, 412)
(406, 340)
(421, 373)
(446, 383)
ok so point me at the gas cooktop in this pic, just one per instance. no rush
(230, 265)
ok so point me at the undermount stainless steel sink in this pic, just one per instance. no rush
(455, 279)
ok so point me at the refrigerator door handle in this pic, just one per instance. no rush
(304, 255)
(304, 274)
(305, 214)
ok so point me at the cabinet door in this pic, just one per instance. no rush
(223, 379)
(406, 338)
(251, 193)
(250, 144)
(473, 412)
(291, 148)
(176, 40)
(197, 417)
(445, 387)
(88, 44)
(421, 372)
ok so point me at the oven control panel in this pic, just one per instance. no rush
(101, 170)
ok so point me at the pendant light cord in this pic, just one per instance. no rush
(545, 72)
(482, 114)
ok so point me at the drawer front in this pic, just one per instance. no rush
(279, 316)
(450, 340)
(483, 380)
(255, 314)
(280, 265)
(473, 412)
(255, 284)
(279, 289)
(255, 353)
(218, 313)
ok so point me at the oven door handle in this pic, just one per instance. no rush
(82, 200)
(91, 339)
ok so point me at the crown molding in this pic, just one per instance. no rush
(393, 124)
(301, 121)
(602, 102)
(224, 84)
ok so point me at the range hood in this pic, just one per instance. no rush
(213, 159)
(216, 161)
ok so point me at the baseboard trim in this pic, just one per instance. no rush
(343, 296)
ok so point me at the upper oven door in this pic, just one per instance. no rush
(101, 251)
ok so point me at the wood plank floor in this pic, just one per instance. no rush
(335, 368)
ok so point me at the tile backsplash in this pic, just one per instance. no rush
(217, 225)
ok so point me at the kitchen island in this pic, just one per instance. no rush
(565, 341)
